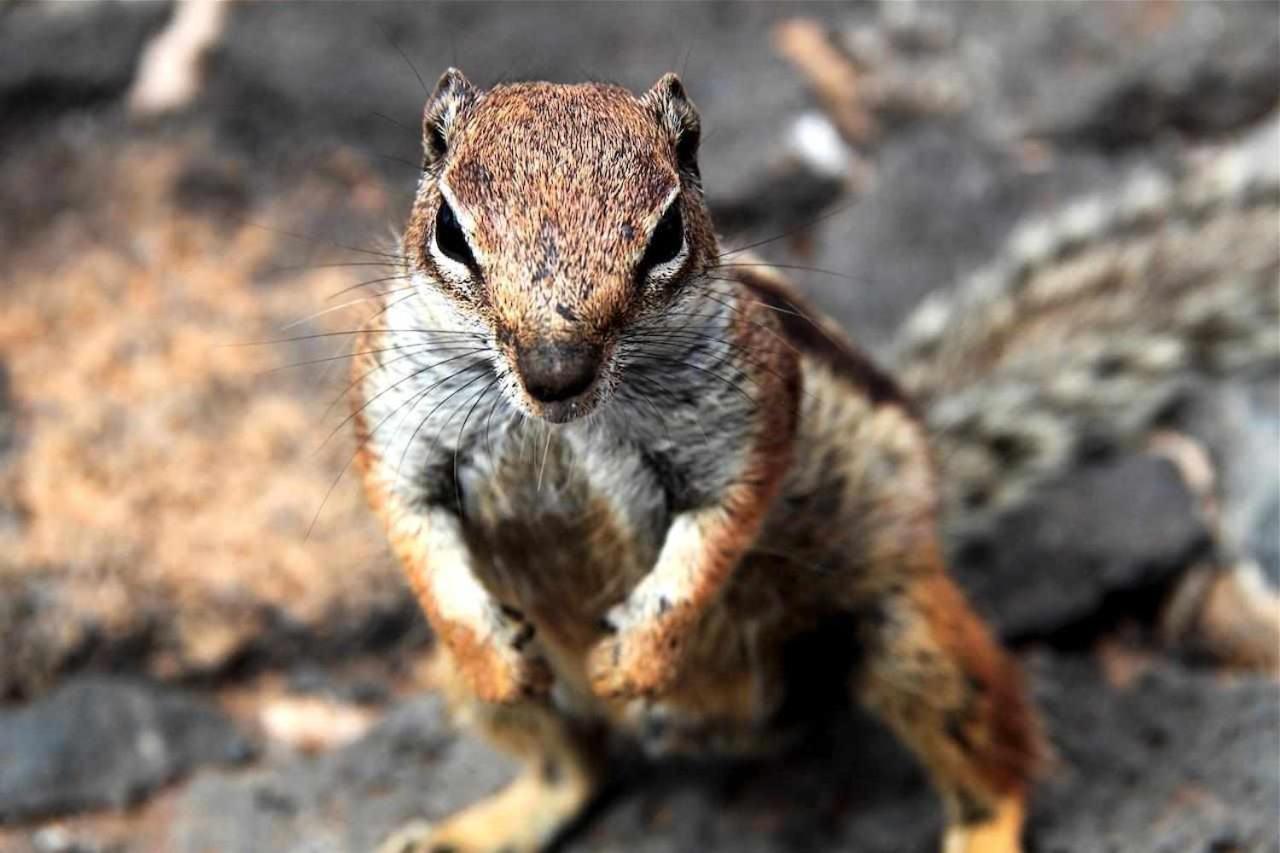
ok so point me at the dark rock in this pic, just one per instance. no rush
(412, 765)
(906, 236)
(1106, 539)
(1211, 92)
(56, 59)
(311, 679)
(1178, 760)
(100, 742)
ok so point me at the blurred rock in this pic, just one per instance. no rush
(410, 766)
(1175, 761)
(60, 56)
(100, 742)
(1116, 533)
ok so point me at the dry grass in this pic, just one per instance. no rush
(165, 479)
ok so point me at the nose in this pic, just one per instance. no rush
(555, 372)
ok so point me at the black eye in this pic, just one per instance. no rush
(666, 241)
(450, 239)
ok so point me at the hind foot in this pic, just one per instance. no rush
(1001, 833)
(522, 818)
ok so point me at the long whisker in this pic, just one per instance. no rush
(440, 432)
(543, 467)
(354, 455)
(346, 333)
(370, 282)
(488, 426)
(425, 90)
(790, 232)
(331, 309)
(319, 242)
(383, 364)
(457, 445)
(398, 124)
(700, 369)
(357, 412)
(693, 340)
(324, 266)
(417, 349)
(797, 267)
(417, 167)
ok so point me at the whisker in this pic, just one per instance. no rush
(790, 232)
(324, 266)
(331, 309)
(398, 124)
(352, 458)
(417, 167)
(312, 337)
(382, 365)
(357, 412)
(543, 467)
(425, 89)
(370, 282)
(799, 267)
(436, 442)
(320, 242)
(457, 484)
(416, 350)
(712, 373)
(488, 428)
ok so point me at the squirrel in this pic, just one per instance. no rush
(627, 472)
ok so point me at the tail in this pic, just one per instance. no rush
(1094, 325)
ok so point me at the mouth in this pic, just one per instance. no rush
(564, 411)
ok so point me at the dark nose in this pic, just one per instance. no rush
(555, 372)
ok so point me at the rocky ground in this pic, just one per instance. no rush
(205, 645)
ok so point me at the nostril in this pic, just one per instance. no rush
(556, 372)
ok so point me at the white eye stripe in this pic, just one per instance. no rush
(455, 270)
(665, 272)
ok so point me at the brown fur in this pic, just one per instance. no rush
(653, 578)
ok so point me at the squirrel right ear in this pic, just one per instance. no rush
(453, 93)
(679, 118)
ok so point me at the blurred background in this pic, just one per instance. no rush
(204, 644)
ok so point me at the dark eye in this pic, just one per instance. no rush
(450, 239)
(666, 241)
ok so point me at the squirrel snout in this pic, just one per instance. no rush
(554, 372)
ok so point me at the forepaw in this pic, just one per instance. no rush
(504, 667)
(640, 661)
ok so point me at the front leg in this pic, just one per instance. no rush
(649, 630)
(491, 645)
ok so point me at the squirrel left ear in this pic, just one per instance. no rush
(679, 118)
(452, 95)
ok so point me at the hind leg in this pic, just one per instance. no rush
(933, 673)
(557, 781)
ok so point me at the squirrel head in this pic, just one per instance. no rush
(556, 217)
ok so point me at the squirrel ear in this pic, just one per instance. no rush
(679, 119)
(453, 93)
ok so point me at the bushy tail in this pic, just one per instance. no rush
(1094, 324)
